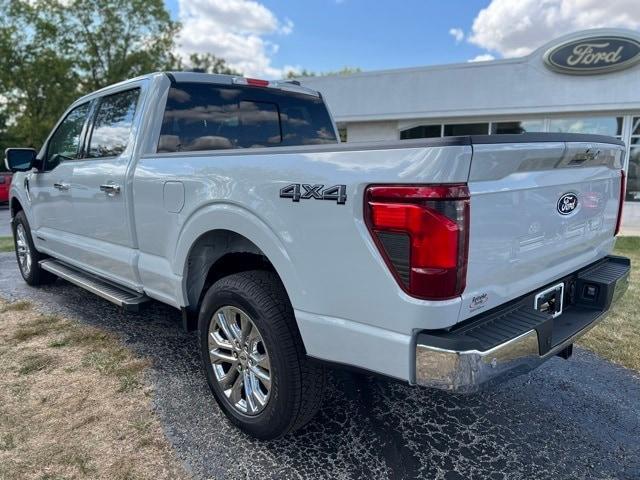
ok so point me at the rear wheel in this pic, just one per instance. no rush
(254, 357)
(27, 255)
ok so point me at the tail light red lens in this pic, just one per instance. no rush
(255, 82)
(623, 188)
(422, 233)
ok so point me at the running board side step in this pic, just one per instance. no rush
(125, 298)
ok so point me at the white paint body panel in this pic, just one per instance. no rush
(518, 240)
(348, 305)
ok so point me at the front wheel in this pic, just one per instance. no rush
(27, 255)
(254, 357)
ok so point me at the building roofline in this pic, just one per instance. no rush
(538, 52)
(514, 112)
(425, 68)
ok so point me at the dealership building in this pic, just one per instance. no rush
(585, 82)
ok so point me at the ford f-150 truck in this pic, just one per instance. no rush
(450, 263)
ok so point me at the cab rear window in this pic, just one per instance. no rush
(202, 116)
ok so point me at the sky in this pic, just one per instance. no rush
(268, 38)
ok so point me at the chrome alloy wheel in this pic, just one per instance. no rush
(240, 360)
(23, 250)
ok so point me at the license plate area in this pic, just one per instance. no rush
(550, 300)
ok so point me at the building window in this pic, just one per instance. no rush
(456, 129)
(449, 130)
(423, 131)
(518, 126)
(633, 172)
(601, 125)
(594, 125)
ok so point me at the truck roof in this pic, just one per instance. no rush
(200, 77)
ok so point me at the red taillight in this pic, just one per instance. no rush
(255, 82)
(623, 187)
(422, 233)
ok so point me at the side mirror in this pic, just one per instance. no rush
(19, 159)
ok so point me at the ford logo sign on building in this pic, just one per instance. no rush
(593, 55)
(567, 203)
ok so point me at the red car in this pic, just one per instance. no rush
(5, 183)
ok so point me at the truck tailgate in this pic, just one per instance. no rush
(539, 210)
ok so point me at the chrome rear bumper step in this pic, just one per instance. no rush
(127, 299)
(515, 339)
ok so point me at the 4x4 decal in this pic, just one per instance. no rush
(304, 191)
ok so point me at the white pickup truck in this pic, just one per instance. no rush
(450, 263)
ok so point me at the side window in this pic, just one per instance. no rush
(305, 120)
(201, 116)
(65, 142)
(112, 125)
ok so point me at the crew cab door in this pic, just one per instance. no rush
(99, 191)
(50, 189)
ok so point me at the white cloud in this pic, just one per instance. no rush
(483, 57)
(515, 28)
(287, 27)
(457, 33)
(234, 30)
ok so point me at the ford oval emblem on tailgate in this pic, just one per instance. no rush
(567, 203)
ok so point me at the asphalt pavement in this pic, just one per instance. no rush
(577, 419)
(5, 218)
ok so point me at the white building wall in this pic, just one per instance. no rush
(512, 87)
(371, 131)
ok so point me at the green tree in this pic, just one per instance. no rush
(51, 52)
(117, 39)
(207, 63)
(309, 73)
(36, 79)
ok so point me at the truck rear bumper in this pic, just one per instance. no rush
(516, 338)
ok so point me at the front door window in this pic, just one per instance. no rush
(65, 142)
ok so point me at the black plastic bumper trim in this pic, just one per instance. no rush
(511, 320)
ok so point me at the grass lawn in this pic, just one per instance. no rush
(617, 338)
(6, 244)
(74, 403)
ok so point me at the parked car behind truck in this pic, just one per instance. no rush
(5, 183)
(450, 263)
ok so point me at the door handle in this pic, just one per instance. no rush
(61, 186)
(110, 189)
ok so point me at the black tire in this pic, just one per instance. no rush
(297, 385)
(35, 275)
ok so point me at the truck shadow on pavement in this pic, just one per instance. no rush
(569, 419)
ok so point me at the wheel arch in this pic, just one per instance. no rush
(239, 241)
(14, 206)
(217, 254)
